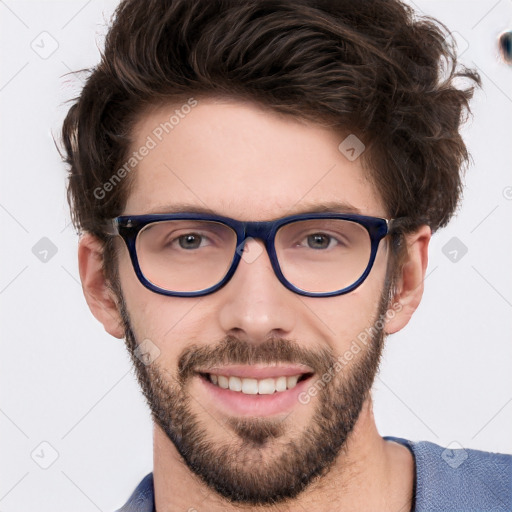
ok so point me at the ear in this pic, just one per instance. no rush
(99, 297)
(409, 287)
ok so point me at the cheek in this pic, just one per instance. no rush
(342, 319)
(170, 323)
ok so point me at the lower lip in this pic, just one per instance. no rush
(240, 404)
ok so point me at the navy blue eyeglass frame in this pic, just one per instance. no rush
(129, 226)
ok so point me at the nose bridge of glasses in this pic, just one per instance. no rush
(259, 230)
(252, 231)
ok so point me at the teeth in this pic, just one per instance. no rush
(223, 382)
(291, 381)
(266, 386)
(248, 386)
(235, 384)
(280, 384)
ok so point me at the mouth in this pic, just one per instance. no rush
(255, 390)
(252, 386)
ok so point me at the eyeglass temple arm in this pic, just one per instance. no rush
(111, 228)
(400, 223)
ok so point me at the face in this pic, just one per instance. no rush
(239, 161)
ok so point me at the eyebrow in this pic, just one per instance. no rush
(329, 206)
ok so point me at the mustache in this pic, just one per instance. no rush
(234, 350)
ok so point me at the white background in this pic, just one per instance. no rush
(446, 378)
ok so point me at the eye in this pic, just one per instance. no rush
(190, 241)
(320, 241)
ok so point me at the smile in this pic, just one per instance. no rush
(248, 386)
(254, 390)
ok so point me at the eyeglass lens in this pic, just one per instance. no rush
(318, 255)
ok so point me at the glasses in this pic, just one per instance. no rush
(193, 254)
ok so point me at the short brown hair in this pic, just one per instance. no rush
(370, 67)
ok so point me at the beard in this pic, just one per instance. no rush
(260, 463)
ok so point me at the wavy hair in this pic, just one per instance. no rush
(372, 68)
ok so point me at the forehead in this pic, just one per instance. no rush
(243, 161)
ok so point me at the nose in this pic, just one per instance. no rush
(255, 305)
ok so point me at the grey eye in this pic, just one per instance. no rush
(319, 241)
(190, 241)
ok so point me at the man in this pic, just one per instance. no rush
(256, 184)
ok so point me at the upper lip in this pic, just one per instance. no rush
(258, 371)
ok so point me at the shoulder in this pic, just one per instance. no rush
(142, 498)
(457, 479)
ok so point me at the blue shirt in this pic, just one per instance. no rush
(460, 480)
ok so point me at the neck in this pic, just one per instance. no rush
(369, 474)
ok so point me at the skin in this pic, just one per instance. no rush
(222, 156)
